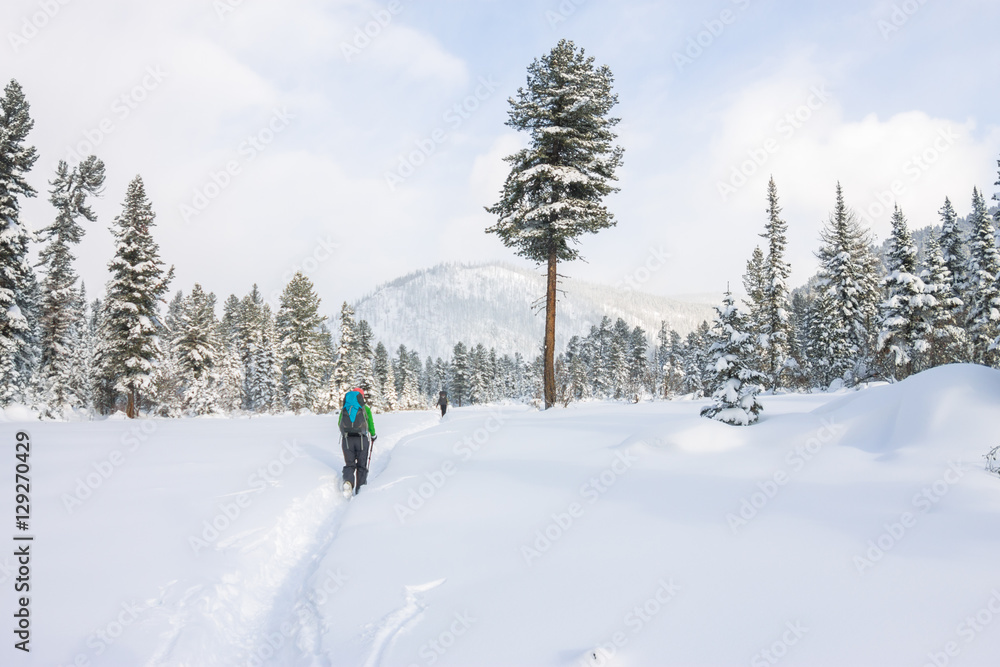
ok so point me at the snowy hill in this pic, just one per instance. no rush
(853, 528)
(491, 304)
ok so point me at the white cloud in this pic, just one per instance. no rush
(417, 55)
(782, 126)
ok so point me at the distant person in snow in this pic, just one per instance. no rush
(443, 402)
(357, 436)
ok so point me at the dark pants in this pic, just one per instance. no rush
(357, 457)
(444, 409)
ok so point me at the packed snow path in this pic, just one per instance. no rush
(855, 528)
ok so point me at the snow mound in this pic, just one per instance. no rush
(15, 412)
(951, 404)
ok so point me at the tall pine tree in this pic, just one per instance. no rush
(555, 189)
(347, 365)
(138, 282)
(904, 333)
(301, 353)
(775, 322)
(849, 283)
(953, 253)
(62, 321)
(755, 284)
(18, 287)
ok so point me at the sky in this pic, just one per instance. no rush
(359, 141)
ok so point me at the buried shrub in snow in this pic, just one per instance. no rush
(734, 400)
(993, 460)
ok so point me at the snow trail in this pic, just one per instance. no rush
(243, 617)
(397, 621)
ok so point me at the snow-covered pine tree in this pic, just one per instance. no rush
(948, 342)
(364, 375)
(953, 252)
(389, 393)
(82, 345)
(346, 367)
(417, 369)
(705, 341)
(62, 316)
(80, 342)
(659, 365)
(755, 284)
(477, 374)
(249, 326)
(175, 310)
(826, 346)
(266, 381)
(399, 368)
(460, 381)
(602, 383)
(774, 321)
(495, 392)
(240, 331)
(638, 366)
(167, 390)
(694, 360)
(229, 381)
(522, 378)
(849, 277)
(734, 385)
(407, 380)
(983, 319)
(102, 381)
(556, 186)
(328, 356)
(535, 379)
(672, 359)
(233, 319)
(433, 381)
(138, 282)
(801, 314)
(380, 363)
(233, 370)
(576, 369)
(904, 333)
(27, 363)
(385, 380)
(198, 344)
(508, 387)
(443, 370)
(168, 384)
(18, 320)
(301, 353)
(618, 354)
(562, 380)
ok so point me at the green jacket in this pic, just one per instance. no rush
(371, 422)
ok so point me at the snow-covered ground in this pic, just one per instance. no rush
(855, 528)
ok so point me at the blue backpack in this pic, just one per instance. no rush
(353, 420)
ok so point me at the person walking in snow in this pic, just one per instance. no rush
(357, 438)
(443, 402)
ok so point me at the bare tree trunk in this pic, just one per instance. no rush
(131, 408)
(550, 333)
